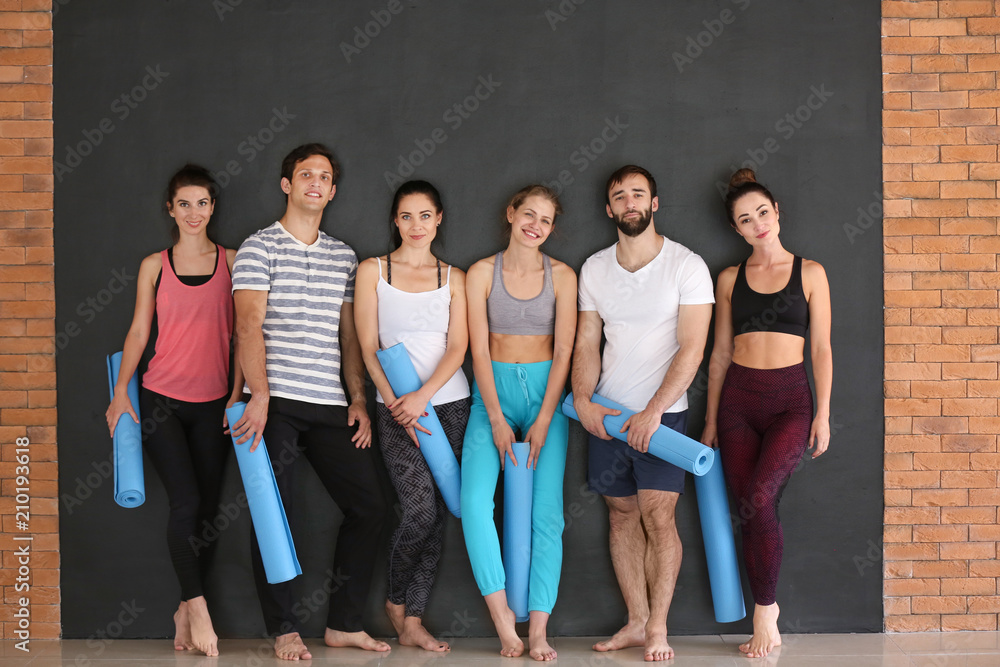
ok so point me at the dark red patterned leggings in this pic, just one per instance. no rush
(764, 421)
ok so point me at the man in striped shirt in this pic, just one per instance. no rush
(293, 287)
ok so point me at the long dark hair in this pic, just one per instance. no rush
(412, 188)
(189, 174)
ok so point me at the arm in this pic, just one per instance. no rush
(238, 379)
(251, 307)
(354, 377)
(564, 283)
(722, 353)
(586, 373)
(406, 409)
(477, 289)
(817, 290)
(135, 340)
(692, 332)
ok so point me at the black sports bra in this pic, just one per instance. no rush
(785, 311)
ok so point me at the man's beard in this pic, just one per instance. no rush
(636, 226)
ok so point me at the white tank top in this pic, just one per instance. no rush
(419, 320)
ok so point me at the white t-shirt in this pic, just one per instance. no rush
(640, 318)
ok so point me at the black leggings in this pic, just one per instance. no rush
(188, 448)
(764, 420)
(350, 475)
(416, 544)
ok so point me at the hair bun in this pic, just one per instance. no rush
(742, 177)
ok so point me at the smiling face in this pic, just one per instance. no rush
(756, 218)
(532, 221)
(311, 186)
(191, 208)
(631, 206)
(417, 219)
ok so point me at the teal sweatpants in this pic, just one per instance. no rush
(521, 388)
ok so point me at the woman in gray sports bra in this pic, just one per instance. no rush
(522, 322)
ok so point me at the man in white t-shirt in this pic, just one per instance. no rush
(652, 299)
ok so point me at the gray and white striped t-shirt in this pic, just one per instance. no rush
(306, 285)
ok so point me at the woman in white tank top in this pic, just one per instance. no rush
(408, 296)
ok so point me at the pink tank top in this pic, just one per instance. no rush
(195, 326)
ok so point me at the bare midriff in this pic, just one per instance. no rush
(516, 349)
(768, 349)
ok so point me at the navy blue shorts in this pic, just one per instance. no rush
(617, 470)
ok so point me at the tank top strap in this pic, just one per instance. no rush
(547, 285)
(167, 268)
(221, 265)
(795, 282)
(741, 275)
(388, 268)
(497, 271)
(439, 272)
(448, 276)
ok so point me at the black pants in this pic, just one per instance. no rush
(321, 434)
(186, 443)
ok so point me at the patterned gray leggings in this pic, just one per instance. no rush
(416, 543)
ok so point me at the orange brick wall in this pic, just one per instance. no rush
(27, 313)
(940, 64)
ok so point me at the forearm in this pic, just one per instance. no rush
(252, 355)
(482, 368)
(135, 344)
(718, 366)
(354, 371)
(556, 383)
(238, 378)
(822, 365)
(678, 378)
(586, 372)
(378, 376)
(445, 370)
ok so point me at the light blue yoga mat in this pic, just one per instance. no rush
(518, 483)
(436, 449)
(277, 549)
(130, 486)
(720, 547)
(666, 443)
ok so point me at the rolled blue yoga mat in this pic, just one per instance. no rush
(666, 443)
(518, 483)
(720, 547)
(277, 549)
(436, 449)
(130, 486)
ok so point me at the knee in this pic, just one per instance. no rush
(623, 514)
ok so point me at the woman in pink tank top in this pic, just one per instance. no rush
(188, 289)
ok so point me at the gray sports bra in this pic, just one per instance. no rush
(521, 317)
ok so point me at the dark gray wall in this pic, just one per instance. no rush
(573, 90)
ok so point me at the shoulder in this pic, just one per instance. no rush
(335, 244)
(482, 268)
(727, 279)
(562, 272)
(600, 260)
(368, 268)
(813, 274)
(680, 251)
(153, 262)
(457, 275)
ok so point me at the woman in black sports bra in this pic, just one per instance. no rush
(760, 407)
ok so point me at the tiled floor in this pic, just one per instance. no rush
(965, 649)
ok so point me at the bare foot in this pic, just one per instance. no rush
(415, 634)
(396, 614)
(511, 645)
(361, 639)
(765, 632)
(657, 648)
(633, 634)
(540, 650)
(290, 647)
(182, 630)
(202, 633)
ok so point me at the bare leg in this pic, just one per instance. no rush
(538, 642)
(765, 631)
(290, 647)
(202, 633)
(511, 645)
(396, 613)
(182, 629)
(360, 639)
(662, 564)
(628, 546)
(415, 634)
